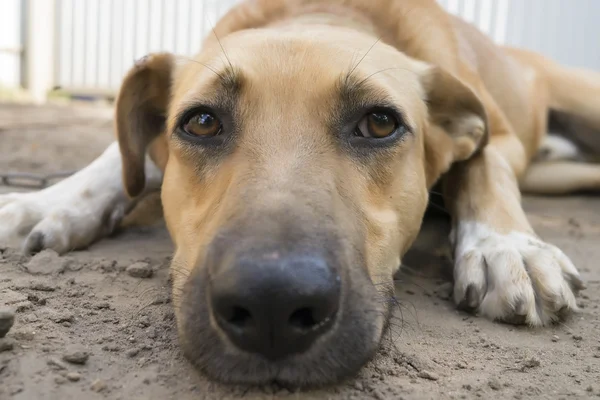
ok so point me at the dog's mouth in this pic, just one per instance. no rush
(285, 319)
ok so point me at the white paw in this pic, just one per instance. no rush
(556, 148)
(515, 278)
(69, 215)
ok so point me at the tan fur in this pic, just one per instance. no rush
(456, 88)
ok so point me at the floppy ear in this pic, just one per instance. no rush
(458, 125)
(141, 114)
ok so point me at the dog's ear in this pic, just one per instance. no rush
(458, 125)
(141, 111)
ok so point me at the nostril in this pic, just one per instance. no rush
(239, 317)
(304, 319)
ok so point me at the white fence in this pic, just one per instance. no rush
(85, 46)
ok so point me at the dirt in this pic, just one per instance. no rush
(98, 324)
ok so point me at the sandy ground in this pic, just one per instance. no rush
(86, 308)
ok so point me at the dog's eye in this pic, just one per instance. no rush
(377, 125)
(203, 124)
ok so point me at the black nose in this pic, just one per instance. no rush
(275, 305)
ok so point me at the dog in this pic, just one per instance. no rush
(295, 155)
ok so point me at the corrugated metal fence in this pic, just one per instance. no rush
(99, 39)
(94, 42)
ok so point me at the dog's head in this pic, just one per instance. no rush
(297, 176)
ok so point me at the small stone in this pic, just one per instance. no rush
(144, 321)
(6, 344)
(42, 287)
(7, 319)
(74, 376)
(577, 337)
(359, 386)
(60, 316)
(140, 270)
(132, 352)
(98, 385)
(102, 306)
(428, 375)
(555, 338)
(47, 262)
(112, 348)
(59, 380)
(56, 364)
(76, 356)
(531, 363)
(25, 334)
(494, 384)
(31, 318)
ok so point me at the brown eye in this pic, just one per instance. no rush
(203, 124)
(377, 125)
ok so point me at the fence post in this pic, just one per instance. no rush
(39, 48)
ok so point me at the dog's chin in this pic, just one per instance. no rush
(337, 355)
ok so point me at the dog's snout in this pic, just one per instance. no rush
(275, 305)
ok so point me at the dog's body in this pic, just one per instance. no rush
(298, 149)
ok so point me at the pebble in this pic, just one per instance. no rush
(139, 270)
(25, 334)
(428, 375)
(74, 376)
(47, 262)
(132, 352)
(531, 363)
(59, 380)
(494, 384)
(42, 287)
(144, 321)
(7, 319)
(461, 365)
(577, 337)
(98, 385)
(56, 363)
(76, 356)
(59, 316)
(555, 338)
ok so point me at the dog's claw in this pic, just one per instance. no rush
(471, 299)
(34, 243)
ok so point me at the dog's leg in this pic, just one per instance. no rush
(561, 177)
(74, 212)
(502, 269)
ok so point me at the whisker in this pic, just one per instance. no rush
(204, 65)
(362, 58)
(220, 44)
(383, 70)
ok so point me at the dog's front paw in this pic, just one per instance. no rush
(515, 278)
(69, 215)
(49, 219)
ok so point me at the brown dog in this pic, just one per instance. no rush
(297, 151)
